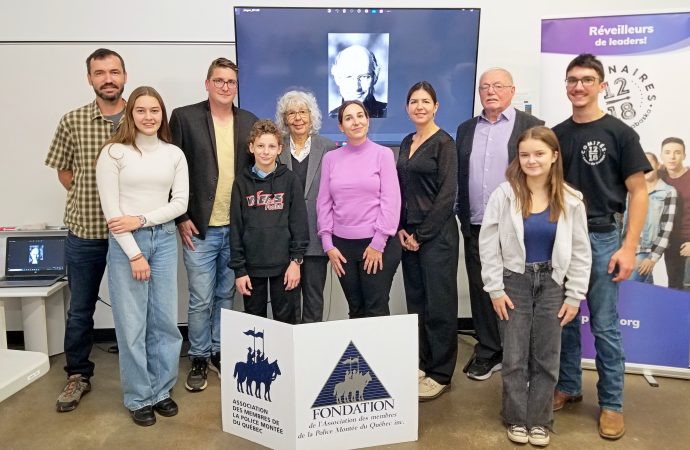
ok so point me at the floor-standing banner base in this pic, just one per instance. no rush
(335, 385)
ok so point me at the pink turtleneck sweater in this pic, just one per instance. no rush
(359, 195)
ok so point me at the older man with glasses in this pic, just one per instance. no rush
(486, 144)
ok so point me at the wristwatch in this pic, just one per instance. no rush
(297, 261)
(142, 221)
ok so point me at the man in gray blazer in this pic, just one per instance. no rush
(486, 144)
(299, 119)
(213, 135)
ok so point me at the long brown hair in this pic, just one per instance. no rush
(127, 131)
(555, 183)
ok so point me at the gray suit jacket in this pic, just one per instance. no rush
(319, 146)
(463, 143)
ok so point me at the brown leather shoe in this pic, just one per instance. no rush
(611, 425)
(560, 399)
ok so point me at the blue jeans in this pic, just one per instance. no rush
(635, 275)
(211, 287)
(145, 314)
(602, 300)
(86, 260)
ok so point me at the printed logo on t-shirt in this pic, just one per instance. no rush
(270, 202)
(593, 152)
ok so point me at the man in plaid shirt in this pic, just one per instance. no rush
(77, 141)
(661, 212)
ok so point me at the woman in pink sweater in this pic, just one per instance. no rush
(358, 210)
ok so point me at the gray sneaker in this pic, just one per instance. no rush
(196, 378)
(539, 436)
(77, 385)
(518, 434)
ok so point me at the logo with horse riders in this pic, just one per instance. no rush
(352, 380)
(256, 371)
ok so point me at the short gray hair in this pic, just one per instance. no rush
(292, 98)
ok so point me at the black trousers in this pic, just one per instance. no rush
(483, 314)
(313, 279)
(282, 302)
(675, 264)
(431, 290)
(367, 294)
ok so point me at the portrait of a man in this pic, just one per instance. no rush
(35, 254)
(357, 72)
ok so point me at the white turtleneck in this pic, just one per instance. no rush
(153, 182)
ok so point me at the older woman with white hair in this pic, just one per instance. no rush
(299, 119)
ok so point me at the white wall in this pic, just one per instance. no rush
(167, 44)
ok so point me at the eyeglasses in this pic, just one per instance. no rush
(497, 86)
(292, 115)
(218, 83)
(586, 81)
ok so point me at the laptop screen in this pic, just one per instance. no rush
(35, 255)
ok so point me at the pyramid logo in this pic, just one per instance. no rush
(352, 380)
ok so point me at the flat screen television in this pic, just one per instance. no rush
(322, 49)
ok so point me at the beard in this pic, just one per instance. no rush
(109, 97)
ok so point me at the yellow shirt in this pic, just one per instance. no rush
(225, 148)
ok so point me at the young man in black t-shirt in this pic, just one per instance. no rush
(602, 157)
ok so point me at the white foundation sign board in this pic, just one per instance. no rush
(331, 385)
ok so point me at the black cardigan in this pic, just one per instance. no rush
(428, 184)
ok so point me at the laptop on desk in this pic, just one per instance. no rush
(32, 261)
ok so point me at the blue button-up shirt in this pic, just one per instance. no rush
(488, 160)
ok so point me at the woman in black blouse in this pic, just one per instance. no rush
(428, 232)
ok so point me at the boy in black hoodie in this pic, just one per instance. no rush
(269, 232)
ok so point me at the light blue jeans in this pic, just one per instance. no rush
(145, 314)
(211, 287)
(602, 300)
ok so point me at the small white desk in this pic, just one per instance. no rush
(43, 321)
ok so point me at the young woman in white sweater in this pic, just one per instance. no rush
(536, 260)
(143, 185)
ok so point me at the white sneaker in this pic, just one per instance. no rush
(539, 436)
(518, 433)
(420, 374)
(429, 389)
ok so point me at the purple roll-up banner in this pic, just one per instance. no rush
(646, 62)
(654, 323)
(616, 35)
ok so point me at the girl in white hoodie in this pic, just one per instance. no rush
(536, 260)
